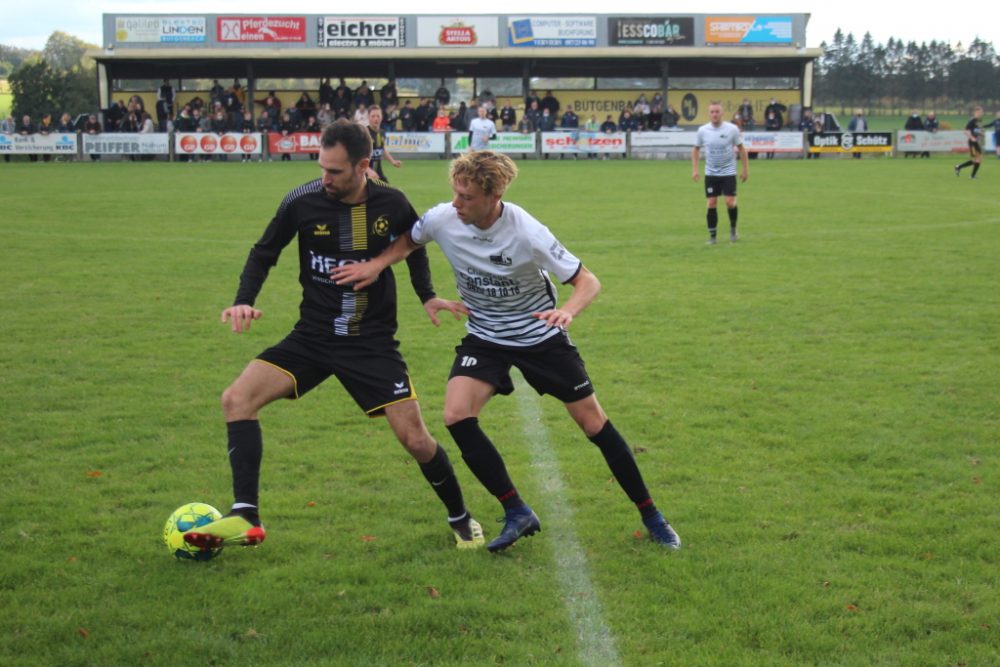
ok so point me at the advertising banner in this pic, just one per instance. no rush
(851, 142)
(401, 143)
(298, 142)
(231, 143)
(692, 105)
(127, 143)
(260, 29)
(773, 142)
(382, 32)
(451, 31)
(671, 140)
(505, 142)
(552, 31)
(947, 141)
(38, 144)
(160, 29)
(583, 142)
(748, 30)
(650, 31)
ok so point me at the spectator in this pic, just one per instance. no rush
(628, 122)
(388, 95)
(779, 110)
(460, 119)
(621, 116)
(45, 128)
(771, 124)
(745, 113)
(146, 126)
(930, 125)
(325, 116)
(114, 115)
(361, 115)
(471, 113)
(592, 125)
(857, 124)
(166, 94)
(136, 104)
(231, 102)
(815, 131)
(26, 128)
(7, 127)
(807, 121)
(341, 105)
(547, 122)
(389, 123)
(442, 123)
(608, 126)
(489, 100)
(93, 128)
(534, 113)
(312, 125)
(66, 123)
(526, 125)
(363, 96)
(442, 96)
(199, 104)
(407, 118)
(264, 122)
(569, 119)
(216, 92)
(670, 117)
(325, 92)
(305, 106)
(246, 127)
(239, 92)
(286, 128)
(343, 88)
(996, 131)
(654, 121)
(423, 116)
(550, 102)
(532, 97)
(184, 122)
(913, 124)
(508, 117)
(163, 114)
(130, 123)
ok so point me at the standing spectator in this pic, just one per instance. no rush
(265, 123)
(166, 94)
(45, 128)
(746, 114)
(481, 131)
(325, 92)
(779, 110)
(342, 87)
(312, 125)
(388, 95)
(407, 119)
(532, 97)
(442, 96)
(857, 124)
(246, 127)
(547, 122)
(26, 128)
(363, 96)
(592, 125)
(286, 128)
(569, 120)
(216, 92)
(533, 113)
(232, 104)
(341, 103)
(66, 123)
(146, 126)
(807, 121)
(913, 124)
(93, 128)
(471, 113)
(305, 106)
(391, 120)
(163, 115)
(771, 124)
(7, 127)
(508, 117)
(423, 116)
(655, 119)
(550, 102)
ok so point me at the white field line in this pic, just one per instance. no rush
(595, 643)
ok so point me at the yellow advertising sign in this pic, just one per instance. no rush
(692, 105)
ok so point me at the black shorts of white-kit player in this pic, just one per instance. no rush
(720, 186)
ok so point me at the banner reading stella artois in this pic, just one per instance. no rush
(231, 143)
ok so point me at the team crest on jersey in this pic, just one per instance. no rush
(381, 226)
(321, 230)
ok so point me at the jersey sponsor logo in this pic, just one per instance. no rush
(323, 264)
(482, 239)
(381, 226)
(321, 230)
(501, 260)
(468, 362)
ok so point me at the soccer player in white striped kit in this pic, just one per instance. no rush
(502, 258)
(721, 141)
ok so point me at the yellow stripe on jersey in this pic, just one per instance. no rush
(359, 227)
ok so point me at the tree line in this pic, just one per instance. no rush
(898, 77)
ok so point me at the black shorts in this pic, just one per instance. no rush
(720, 185)
(372, 370)
(975, 149)
(551, 367)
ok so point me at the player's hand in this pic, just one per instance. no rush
(436, 305)
(554, 318)
(744, 176)
(695, 176)
(241, 317)
(361, 274)
(397, 163)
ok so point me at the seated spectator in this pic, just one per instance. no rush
(136, 104)
(547, 122)
(130, 123)
(219, 123)
(526, 125)
(325, 116)
(608, 126)
(670, 117)
(441, 123)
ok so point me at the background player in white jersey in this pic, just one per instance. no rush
(481, 130)
(721, 141)
(501, 257)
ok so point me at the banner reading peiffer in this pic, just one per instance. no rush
(748, 30)
(257, 29)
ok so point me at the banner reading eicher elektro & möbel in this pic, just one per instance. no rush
(354, 32)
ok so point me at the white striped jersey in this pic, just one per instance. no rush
(501, 272)
(717, 144)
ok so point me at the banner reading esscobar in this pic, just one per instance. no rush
(231, 143)
(126, 143)
(38, 144)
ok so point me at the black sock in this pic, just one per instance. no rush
(733, 214)
(441, 475)
(485, 461)
(623, 466)
(246, 446)
(964, 165)
(713, 221)
(975, 169)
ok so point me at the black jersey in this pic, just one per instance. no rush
(974, 129)
(378, 150)
(331, 234)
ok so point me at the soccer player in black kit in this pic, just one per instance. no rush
(974, 133)
(339, 219)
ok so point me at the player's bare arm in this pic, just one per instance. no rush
(695, 157)
(241, 315)
(364, 274)
(437, 304)
(586, 287)
(745, 163)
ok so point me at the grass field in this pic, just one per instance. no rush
(815, 409)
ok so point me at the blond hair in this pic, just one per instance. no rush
(493, 172)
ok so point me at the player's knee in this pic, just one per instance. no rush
(453, 415)
(234, 401)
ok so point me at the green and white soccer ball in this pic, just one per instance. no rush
(184, 519)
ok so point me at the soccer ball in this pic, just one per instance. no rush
(184, 519)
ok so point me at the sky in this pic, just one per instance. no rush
(32, 27)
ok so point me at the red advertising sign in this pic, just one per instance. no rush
(198, 143)
(300, 142)
(256, 29)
